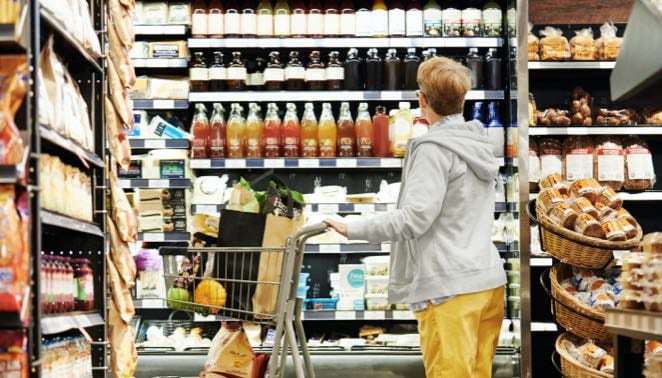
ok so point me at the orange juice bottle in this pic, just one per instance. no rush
(272, 132)
(309, 132)
(364, 132)
(291, 132)
(254, 131)
(346, 132)
(327, 132)
(236, 132)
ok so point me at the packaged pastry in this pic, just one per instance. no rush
(553, 45)
(615, 117)
(591, 355)
(602, 301)
(639, 170)
(533, 45)
(601, 286)
(605, 212)
(551, 156)
(583, 279)
(587, 225)
(584, 297)
(554, 181)
(587, 188)
(553, 117)
(609, 45)
(564, 215)
(578, 158)
(583, 45)
(652, 243)
(652, 116)
(550, 197)
(534, 166)
(583, 206)
(653, 303)
(630, 299)
(624, 214)
(613, 231)
(607, 365)
(608, 197)
(627, 227)
(580, 107)
(609, 163)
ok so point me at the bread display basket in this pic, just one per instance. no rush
(571, 368)
(576, 249)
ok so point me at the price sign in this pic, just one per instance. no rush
(346, 163)
(327, 208)
(200, 163)
(345, 315)
(163, 104)
(329, 248)
(374, 315)
(235, 163)
(274, 163)
(159, 183)
(309, 163)
(155, 143)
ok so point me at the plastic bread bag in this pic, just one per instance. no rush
(609, 162)
(583, 46)
(89, 37)
(122, 62)
(609, 45)
(119, 96)
(120, 294)
(533, 45)
(118, 143)
(553, 45)
(13, 81)
(639, 170)
(591, 355)
(122, 212)
(123, 355)
(243, 199)
(121, 21)
(121, 256)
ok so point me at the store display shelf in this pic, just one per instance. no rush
(596, 130)
(637, 324)
(544, 327)
(62, 221)
(572, 65)
(164, 237)
(327, 96)
(159, 62)
(358, 315)
(342, 42)
(148, 144)
(160, 29)
(155, 183)
(69, 145)
(156, 104)
(506, 207)
(12, 39)
(58, 323)
(348, 248)
(540, 261)
(9, 174)
(76, 45)
(149, 303)
(652, 195)
(295, 163)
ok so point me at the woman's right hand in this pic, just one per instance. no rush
(340, 227)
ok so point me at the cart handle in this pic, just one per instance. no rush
(310, 230)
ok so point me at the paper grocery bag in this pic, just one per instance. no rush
(231, 353)
(276, 231)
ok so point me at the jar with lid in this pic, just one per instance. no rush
(274, 75)
(315, 73)
(335, 73)
(265, 19)
(232, 20)
(248, 21)
(331, 19)
(236, 73)
(84, 278)
(199, 19)
(215, 28)
(281, 19)
(347, 19)
(315, 27)
(217, 73)
(199, 73)
(295, 73)
(298, 19)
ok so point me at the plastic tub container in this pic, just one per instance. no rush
(513, 277)
(377, 265)
(302, 291)
(376, 302)
(322, 303)
(376, 285)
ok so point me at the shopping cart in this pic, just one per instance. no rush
(243, 274)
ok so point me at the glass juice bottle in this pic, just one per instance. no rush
(363, 18)
(335, 73)
(295, 73)
(327, 132)
(272, 132)
(374, 68)
(217, 73)
(396, 19)
(315, 26)
(346, 132)
(199, 19)
(432, 15)
(414, 19)
(331, 19)
(200, 132)
(291, 132)
(380, 125)
(379, 19)
(347, 19)
(353, 68)
(254, 132)
(392, 71)
(364, 132)
(236, 133)
(403, 123)
(298, 19)
(315, 73)
(215, 27)
(236, 73)
(451, 18)
(472, 17)
(199, 73)
(411, 63)
(309, 132)
(232, 20)
(274, 75)
(217, 133)
(248, 21)
(281, 19)
(265, 19)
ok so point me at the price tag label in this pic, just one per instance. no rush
(235, 163)
(152, 303)
(345, 315)
(607, 65)
(159, 62)
(391, 163)
(159, 183)
(139, 62)
(153, 236)
(403, 315)
(155, 143)
(327, 208)
(346, 163)
(374, 315)
(200, 163)
(329, 248)
(163, 104)
(309, 163)
(386, 247)
(125, 183)
(391, 95)
(364, 208)
(172, 29)
(206, 209)
(274, 163)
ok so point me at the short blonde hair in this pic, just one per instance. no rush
(444, 83)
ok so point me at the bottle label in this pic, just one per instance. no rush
(363, 23)
(534, 168)
(232, 23)
(396, 22)
(335, 73)
(315, 74)
(298, 23)
(237, 73)
(452, 22)
(579, 164)
(234, 142)
(215, 23)
(611, 165)
(291, 141)
(198, 73)
(271, 141)
(639, 164)
(199, 24)
(295, 73)
(471, 18)
(345, 141)
(364, 141)
(218, 73)
(256, 79)
(432, 22)
(492, 22)
(274, 74)
(379, 22)
(282, 24)
(265, 25)
(252, 142)
(414, 23)
(331, 24)
(315, 24)
(348, 24)
(248, 24)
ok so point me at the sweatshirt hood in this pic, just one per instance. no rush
(468, 141)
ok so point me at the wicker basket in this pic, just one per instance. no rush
(576, 317)
(579, 250)
(570, 367)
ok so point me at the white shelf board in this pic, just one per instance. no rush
(571, 65)
(279, 96)
(596, 130)
(342, 42)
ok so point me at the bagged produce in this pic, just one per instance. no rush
(230, 355)
(639, 170)
(609, 45)
(583, 46)
(553, 45)
(121, 20)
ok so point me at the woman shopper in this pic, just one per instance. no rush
(443, 262)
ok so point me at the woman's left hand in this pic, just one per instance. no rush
(340, 227)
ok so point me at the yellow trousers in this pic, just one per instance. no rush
(459, 337)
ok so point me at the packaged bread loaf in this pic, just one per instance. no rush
(578, 158)
(609, 197)
(554, 181)
(627, 227)
(548, 198)
(625, 215)
(583, 206)
(609, 162)
(564, 215)
(613, 230)
(652, 243)
(588, 188)
(534, 166)
(615, 117)
(605, 212)
(639, 170)
(553, 45)
(580, 107)
(609, 45)
(551, 156)
(583, 45)
(533, 45)
(587, 225)
(553, 117)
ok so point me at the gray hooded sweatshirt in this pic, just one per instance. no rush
(442, 227)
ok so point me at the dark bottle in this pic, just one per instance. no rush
(335, 73)
(493, 70)
(256, 74)
(353, 69)
(274, 75)
(295, 73)
(411, 64)
(476, 65)
(236, 73)
(315, 75)
(217, 73)
(392, 71)
(199, 73)
(513, 64)
(373, 71)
